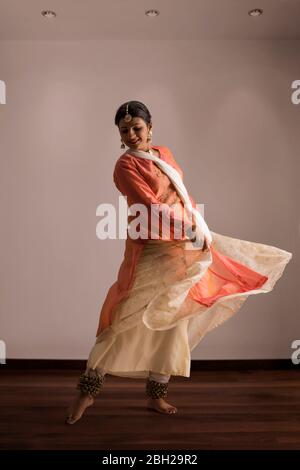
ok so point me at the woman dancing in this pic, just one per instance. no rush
(176, 282)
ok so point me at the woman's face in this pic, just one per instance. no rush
(134, 133)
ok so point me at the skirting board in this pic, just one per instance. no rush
(215, 364)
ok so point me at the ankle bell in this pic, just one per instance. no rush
(156, 389)
(90, 383)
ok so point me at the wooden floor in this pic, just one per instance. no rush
(246, 409)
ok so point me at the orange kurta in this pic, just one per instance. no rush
(143, 182)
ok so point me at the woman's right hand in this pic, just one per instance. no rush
(206, 244)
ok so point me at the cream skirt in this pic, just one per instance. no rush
(157, 326)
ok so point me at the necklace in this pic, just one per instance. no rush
(149, 151)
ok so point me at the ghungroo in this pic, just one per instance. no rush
(90, 383)
(156, 389)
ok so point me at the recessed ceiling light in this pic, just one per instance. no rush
(255, 12)
(48, 14)
(152, 13)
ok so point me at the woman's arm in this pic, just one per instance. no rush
(133, 185)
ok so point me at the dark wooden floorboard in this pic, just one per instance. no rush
(216, 410)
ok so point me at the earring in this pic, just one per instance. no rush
(149, 135)
(123, 145)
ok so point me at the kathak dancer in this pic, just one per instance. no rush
(172, 287)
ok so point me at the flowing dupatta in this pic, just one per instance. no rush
(220, 279)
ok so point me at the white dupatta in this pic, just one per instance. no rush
(175, 177)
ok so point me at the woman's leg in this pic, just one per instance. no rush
(89, 385)
(159, 377)
(157, 390)
(91, 381)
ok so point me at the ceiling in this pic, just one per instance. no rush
(126, 19)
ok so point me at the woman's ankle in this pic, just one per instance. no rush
(90, 383)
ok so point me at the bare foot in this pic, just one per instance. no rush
(76, 410)
(160, 405)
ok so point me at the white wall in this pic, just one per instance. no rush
(223, 108)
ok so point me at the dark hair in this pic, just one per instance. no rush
(136, 109)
